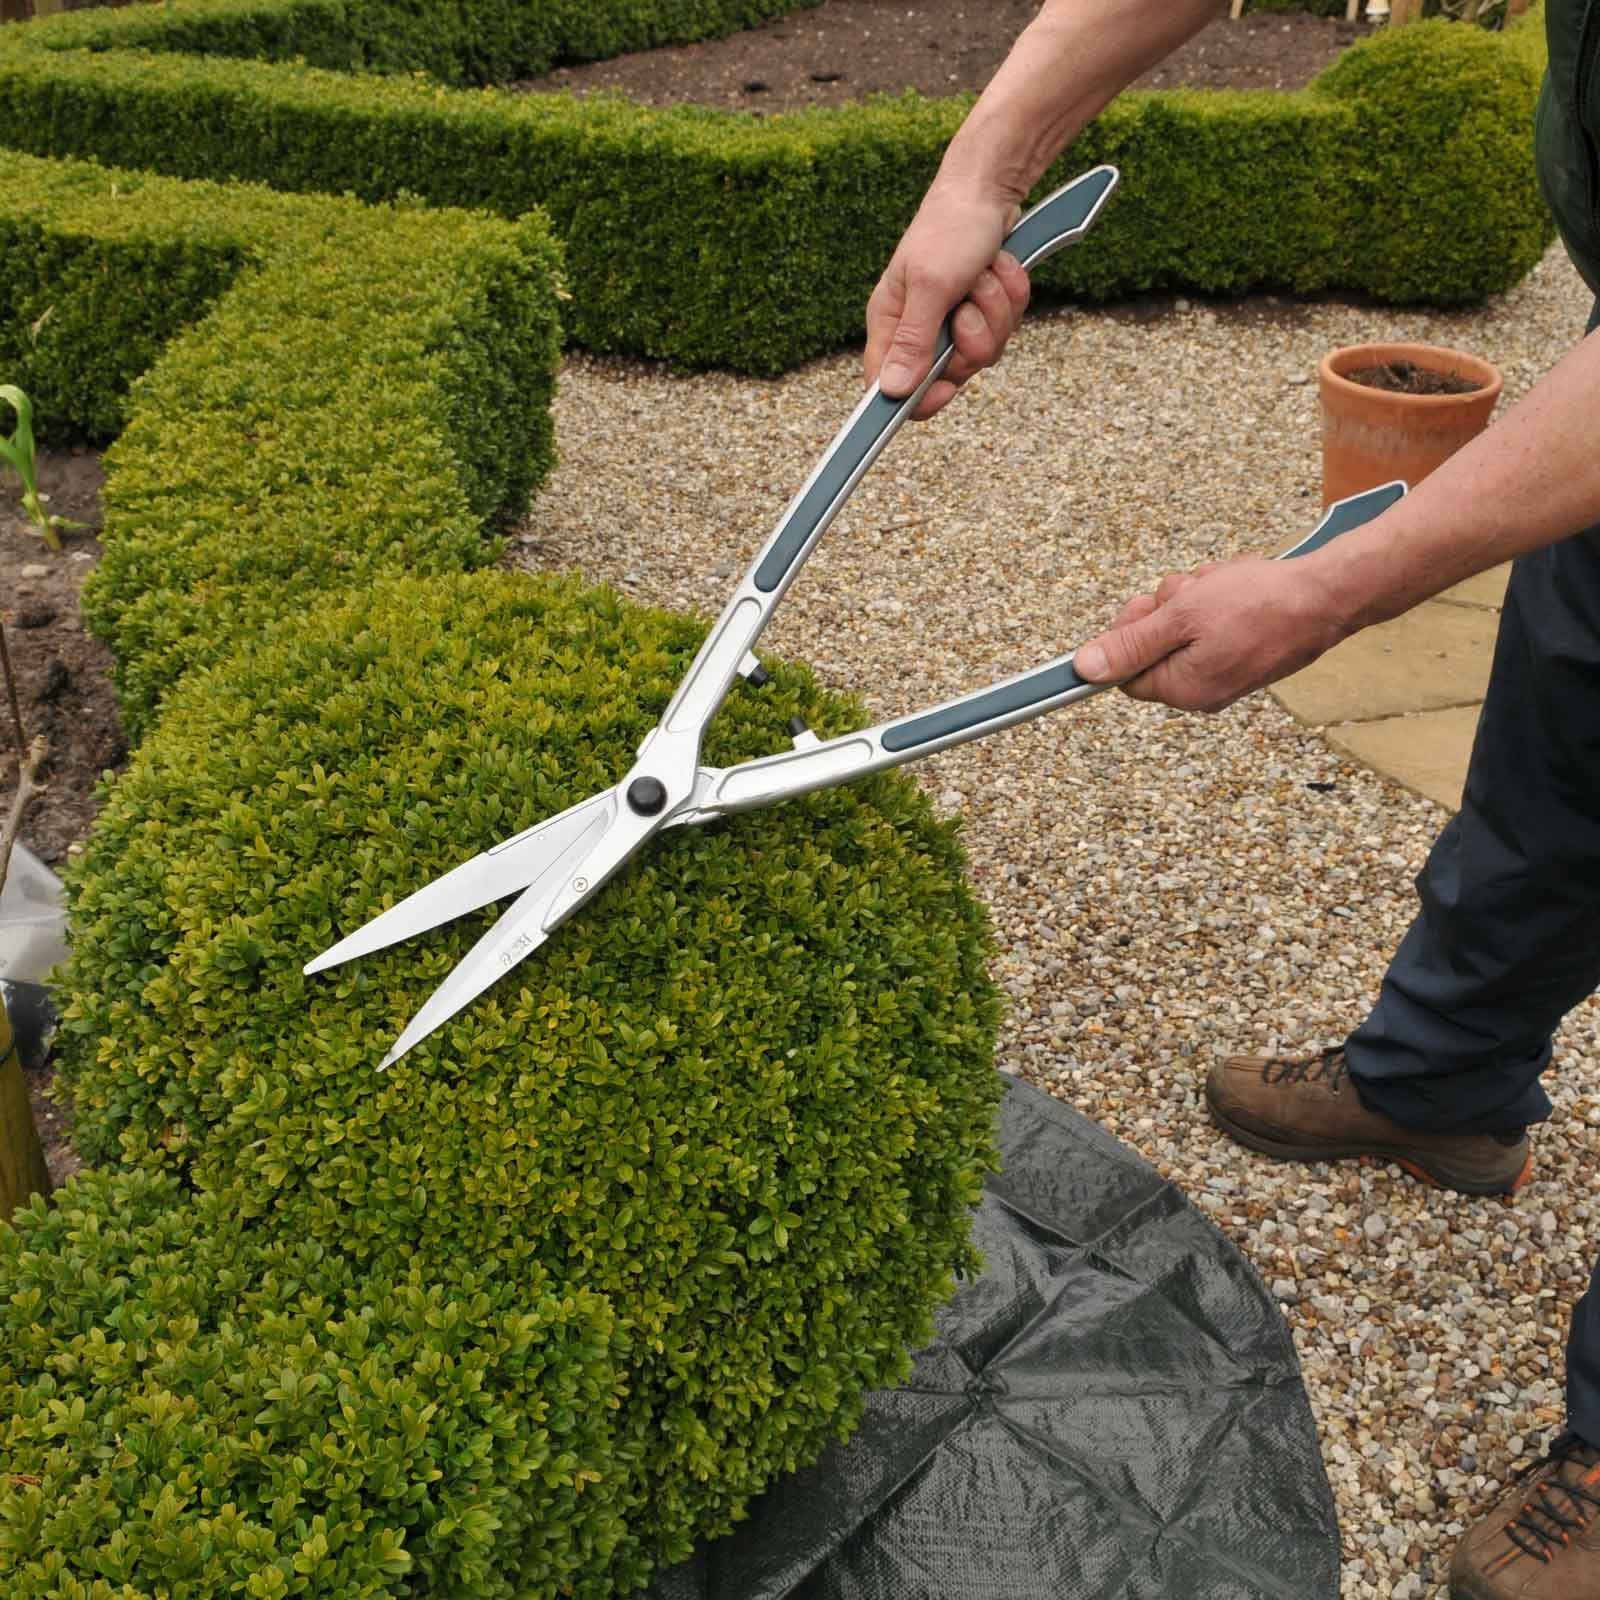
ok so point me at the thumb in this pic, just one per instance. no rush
(1127, 651)
(911, 345)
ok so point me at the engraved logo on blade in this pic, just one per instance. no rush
(510, 956)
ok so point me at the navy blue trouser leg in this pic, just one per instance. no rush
(1507, 937)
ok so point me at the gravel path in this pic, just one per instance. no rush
(1165, 887)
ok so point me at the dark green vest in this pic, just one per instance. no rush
(1567, 137)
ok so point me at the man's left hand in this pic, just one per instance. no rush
(1207, 637)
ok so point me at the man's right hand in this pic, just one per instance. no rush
(949, 258)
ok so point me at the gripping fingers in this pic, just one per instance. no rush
(940, 393)
(987, 319)
(1136, 610)
(982, 325)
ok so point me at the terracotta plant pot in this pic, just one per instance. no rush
(1372, 435)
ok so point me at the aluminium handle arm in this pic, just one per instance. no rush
(1056, 221)
(765, 781)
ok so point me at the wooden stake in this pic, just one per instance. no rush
(1404, 11)
(1236, 10)
(23, 1173)
(1352, 10)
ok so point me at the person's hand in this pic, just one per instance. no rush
(949, 257)
(1206, 637)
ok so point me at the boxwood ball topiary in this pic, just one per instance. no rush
(745, 1096)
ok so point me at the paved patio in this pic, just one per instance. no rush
(1404, 697)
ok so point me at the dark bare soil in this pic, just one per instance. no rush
(846, 50)
(54, 1123)
(64, 689)
(63, 675)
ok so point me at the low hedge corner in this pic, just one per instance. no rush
(310, 391)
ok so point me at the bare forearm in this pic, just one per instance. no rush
(1531, 479)
(1065, 67)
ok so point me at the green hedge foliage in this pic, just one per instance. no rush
(716, 238)
(194, 1409)
(487, 41)
(745, 1098)
(340, 390)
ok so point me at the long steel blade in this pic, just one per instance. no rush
(505, 869)
(517, 934)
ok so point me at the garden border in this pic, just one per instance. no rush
(715, 238)
(341, 391)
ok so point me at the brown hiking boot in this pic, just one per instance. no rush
(1305, 1108)
(1542, 1542)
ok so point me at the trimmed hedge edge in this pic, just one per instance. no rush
(341, 390)
(746, 1099)
(712, 238)
(523, 1320)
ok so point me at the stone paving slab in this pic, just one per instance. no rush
(1435, 656)
(1487, 589)
(1426, 752)
(1404, 697)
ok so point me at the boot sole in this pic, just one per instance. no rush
(1436, 1174)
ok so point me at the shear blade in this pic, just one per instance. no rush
(514, 936)
(517, 934)
(513, 865)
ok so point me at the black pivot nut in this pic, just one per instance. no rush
(647, 796)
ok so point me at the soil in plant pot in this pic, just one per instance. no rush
(845, 50)
(1405, 377)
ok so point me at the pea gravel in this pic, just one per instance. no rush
(1165, 887)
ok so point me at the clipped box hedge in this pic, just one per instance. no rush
(744, 1099)
(709, 237)
(193, 1409)
(340, 390)
(487, 41)
(537, 1310)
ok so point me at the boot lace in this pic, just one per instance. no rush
(1564, 1503)
(1326, 1065)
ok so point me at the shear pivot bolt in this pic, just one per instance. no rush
(647, 796)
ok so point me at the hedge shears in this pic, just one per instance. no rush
(562, 863)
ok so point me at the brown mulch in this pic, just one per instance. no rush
(846, 50)
(54, 1122)
(64, 687)
(63, 675)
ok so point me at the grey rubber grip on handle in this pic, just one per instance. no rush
(769, 779)
(1051, 682)
(1055, 222)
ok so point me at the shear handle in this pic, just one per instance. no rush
(1056, 221)
(766, 781)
